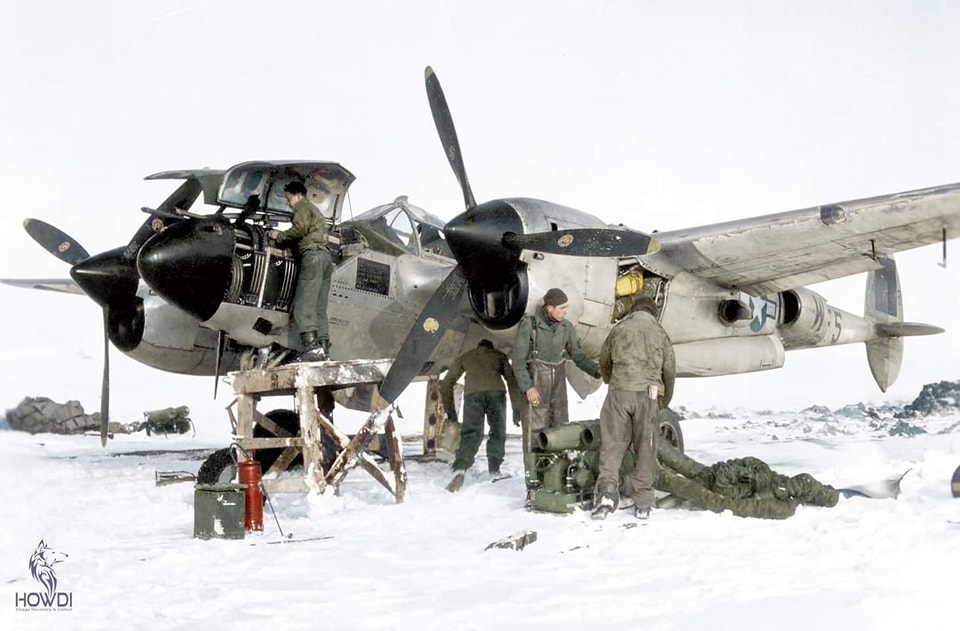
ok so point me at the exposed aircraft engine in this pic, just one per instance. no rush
(261, 276)
(226, 276)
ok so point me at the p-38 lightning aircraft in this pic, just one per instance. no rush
(192, 292)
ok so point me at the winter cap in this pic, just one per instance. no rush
(295, 187)
(554, 297)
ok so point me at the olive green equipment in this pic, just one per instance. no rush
(567, 463)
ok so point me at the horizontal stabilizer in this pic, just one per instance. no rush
(906, 329)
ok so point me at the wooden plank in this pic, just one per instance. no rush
(319, 374)
(354, 448)
(267, 423)
(246, 411)
(268, 443)
(282, 463)
(370, 466)
(294, 445)
(395, 449)
(314, 474)
(286, 485)
(432, 417)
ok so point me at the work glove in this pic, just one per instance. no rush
(516, 417)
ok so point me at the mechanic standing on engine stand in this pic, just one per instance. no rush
(309, 232)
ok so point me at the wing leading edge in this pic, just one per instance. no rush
(800, 247)
(63, 285)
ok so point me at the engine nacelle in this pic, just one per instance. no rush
(809, 321)
(728, 356)
(256, 304)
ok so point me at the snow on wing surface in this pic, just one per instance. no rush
(781, 251)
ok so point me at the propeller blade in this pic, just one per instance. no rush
(448, 134)
(585, 242)
(105, 384)
(55, 241)
(425, 335)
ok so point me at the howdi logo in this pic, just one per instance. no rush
(42, 563)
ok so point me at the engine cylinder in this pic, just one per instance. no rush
(261, 276)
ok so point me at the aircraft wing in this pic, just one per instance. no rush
(773, 253)
(64, 285)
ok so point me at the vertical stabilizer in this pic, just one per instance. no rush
(883, 306)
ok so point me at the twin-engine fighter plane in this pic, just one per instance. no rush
(194, 292)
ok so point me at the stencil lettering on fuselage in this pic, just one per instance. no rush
(373, 277)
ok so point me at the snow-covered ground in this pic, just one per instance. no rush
(360, 561)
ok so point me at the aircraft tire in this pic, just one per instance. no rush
(288, 420)
(214, 468)
(670, 428)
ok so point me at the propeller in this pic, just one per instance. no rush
(425, 334)
(110, 279)
(448, 133)
(486, 241)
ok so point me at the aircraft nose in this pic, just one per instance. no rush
(108, 278)
(190, 264)
(476, 238)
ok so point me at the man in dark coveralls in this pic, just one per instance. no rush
(544, 341)
(309, 233)
(483, 395)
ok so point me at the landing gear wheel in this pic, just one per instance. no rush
(670, 428)
(286, 420)
(289, 421)
(219, 468)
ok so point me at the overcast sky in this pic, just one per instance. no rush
(658, 115)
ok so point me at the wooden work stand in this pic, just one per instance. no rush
(313, 386)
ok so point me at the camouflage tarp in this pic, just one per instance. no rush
(747, 487)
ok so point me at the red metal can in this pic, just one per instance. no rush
(250, 475)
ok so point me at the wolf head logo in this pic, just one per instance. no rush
(41, 566)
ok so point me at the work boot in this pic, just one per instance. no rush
(641, 513)
(312, 348)
(456, 482)
(604, 506)
(325, 344)
(493, 467)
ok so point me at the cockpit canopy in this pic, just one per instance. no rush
(326, 182)
(402, 226)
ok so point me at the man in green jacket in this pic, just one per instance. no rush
(310, 299)
(544, 340)
(483, 394)
(639, 366)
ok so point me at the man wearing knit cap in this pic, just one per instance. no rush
(544, 340)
